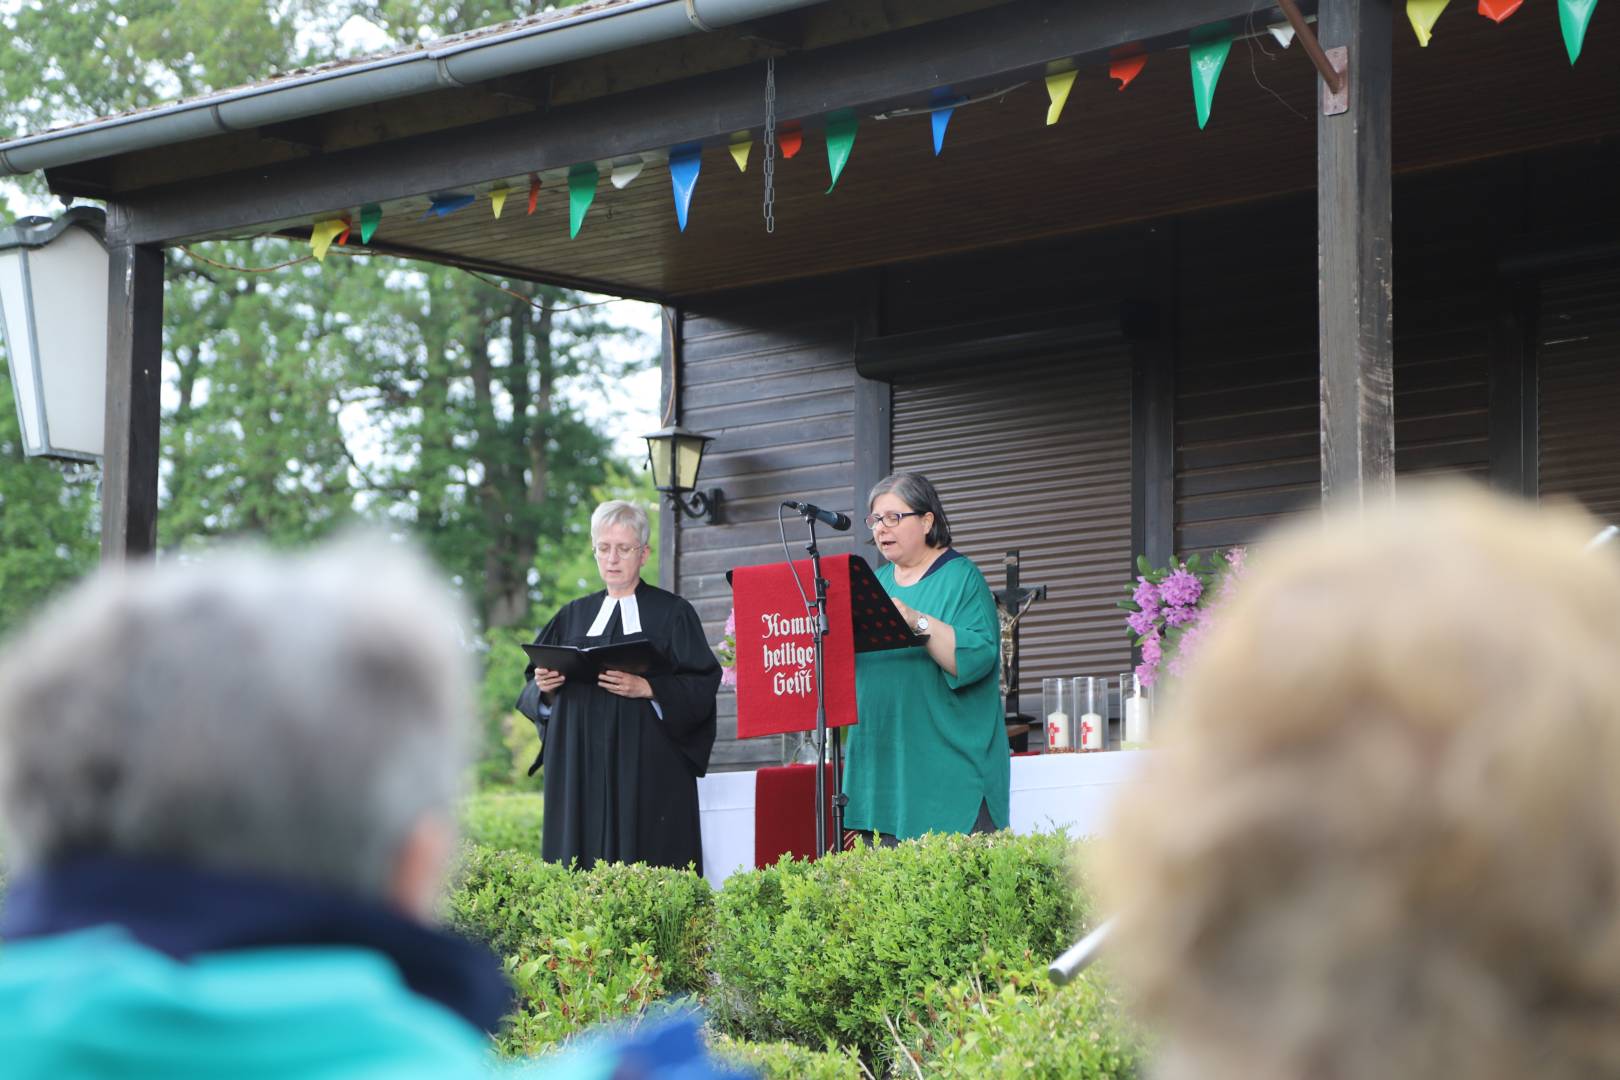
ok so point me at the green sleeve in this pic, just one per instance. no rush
(978, 631)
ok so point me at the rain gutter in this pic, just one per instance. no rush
(455, 63)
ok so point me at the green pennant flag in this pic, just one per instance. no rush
(1208, 58)
(840, 141)
(1573, 15)
(370, 217)
(581, 191)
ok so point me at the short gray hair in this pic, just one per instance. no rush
(916, 491)
(292, 716)
(620, 512)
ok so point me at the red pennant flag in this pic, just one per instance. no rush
(1126, 69)
(534, 192)
(348, 227)
(790, 137)
(1499, 10)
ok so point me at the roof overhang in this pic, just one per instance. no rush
(1481, 90)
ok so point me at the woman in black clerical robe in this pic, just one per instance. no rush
(622, 756)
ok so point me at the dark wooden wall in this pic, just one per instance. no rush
(1155, 385)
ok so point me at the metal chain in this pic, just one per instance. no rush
(770, 144)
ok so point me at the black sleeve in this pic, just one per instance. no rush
(550, 634)
(686, 694)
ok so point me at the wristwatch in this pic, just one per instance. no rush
(922, 624)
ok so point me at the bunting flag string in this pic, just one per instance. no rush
(1208, 52)
(1125, 69)
(1573, 18)
(1423, 15)
(684, 164)
(841, 127)
(624, 171)
(741, 144)
(1057, 92)
(1208, 58)
(582, 181)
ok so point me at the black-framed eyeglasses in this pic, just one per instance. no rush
(892, 518)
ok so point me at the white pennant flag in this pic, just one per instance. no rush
(624, 172)
(1284, 33)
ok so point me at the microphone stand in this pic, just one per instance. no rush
(818, 631)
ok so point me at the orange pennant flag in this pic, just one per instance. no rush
(534, 192)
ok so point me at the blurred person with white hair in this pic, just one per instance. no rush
(1382, 839)
(228, 793)
(622, 755)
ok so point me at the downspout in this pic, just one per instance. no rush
(450, 63)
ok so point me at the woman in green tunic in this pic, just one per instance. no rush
(929, 753)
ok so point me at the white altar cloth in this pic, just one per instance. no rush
(1049, 791)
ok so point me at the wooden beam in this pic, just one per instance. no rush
(1015, 40)
(129, 479)
(1150, 325)
(1355, 252)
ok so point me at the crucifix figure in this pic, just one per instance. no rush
(1012, 603)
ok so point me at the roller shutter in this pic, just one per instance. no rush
(1036, 455)
(1579, 391)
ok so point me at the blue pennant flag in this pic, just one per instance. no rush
(684, 162)
(445, 205)
(944, 103)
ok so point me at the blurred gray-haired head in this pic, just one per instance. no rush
(619, 512)
(288, 715)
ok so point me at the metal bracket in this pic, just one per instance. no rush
(1335, 102)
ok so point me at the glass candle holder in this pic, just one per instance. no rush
(1091, 699)
(1135, 712)
(1057, 705)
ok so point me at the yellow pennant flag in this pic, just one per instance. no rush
(323, 233)
(497, 200)
(1424, 14)
(1057, 88)
(740, 145)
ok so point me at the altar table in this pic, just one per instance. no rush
(1049, 791)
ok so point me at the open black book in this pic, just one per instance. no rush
(637, 656)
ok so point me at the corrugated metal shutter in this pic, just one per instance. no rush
(1579, 380)
(1036, 455)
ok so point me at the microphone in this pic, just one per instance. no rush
(830, 518)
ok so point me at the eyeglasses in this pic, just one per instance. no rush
(623, 551)
(892, 518)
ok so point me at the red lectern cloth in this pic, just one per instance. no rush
(776, 667)
(785, 812)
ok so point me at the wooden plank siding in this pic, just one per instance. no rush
(769, 374)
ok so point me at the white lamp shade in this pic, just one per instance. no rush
(675, 454)
(53, 313)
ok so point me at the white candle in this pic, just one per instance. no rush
(1091, 731)
(1136, 721)
(1058, 734)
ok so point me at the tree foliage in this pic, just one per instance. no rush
(303, 398)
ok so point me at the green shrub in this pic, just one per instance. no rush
(829, 950)
(788, 1061)
(517, 904)
(572, 982)
(1027, 1028)
(582, 946)
(507, 820)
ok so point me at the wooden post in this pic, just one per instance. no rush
(1354, 256)
(129, 476)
